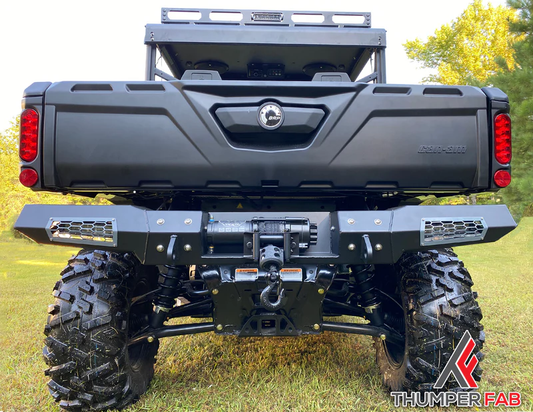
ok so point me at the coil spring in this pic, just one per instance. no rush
(367, 294)
(169, 286)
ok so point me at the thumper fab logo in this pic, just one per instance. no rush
(461, 365)
(458, 365)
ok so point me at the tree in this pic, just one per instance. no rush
(465, 51)
(517, 82)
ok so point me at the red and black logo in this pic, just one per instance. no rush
(460, 365)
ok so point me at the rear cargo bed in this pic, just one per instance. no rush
(202, 135)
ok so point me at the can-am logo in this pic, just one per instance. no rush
(270, 116)
(461, 365)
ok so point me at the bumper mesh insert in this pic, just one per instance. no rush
(439, 231)
(92, 231)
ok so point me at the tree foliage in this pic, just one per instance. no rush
(465, 51)
(13, 196)
(517, 82)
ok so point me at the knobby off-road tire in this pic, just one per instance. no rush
(434, 289)
(90, 365)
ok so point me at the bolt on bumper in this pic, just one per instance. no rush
(345, 237)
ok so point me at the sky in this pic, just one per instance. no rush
(99, 40)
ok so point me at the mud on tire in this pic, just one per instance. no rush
(434, 289)
(90, 365)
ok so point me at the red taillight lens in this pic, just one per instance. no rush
(29, 134)
(502, 178)
(502, 138)
(28, 177)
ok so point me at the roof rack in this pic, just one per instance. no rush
(258, 17)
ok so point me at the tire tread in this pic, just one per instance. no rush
(85, 345)
(440, 307)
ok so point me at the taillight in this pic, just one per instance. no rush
(29, 135)
(502, 138)
(28, 177)
(502, 178)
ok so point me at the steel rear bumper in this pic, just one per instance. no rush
(346, 237)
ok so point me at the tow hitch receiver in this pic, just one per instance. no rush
(256, 302)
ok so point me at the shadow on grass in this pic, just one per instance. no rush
(229, 373)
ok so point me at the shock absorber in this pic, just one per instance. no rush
(169, 286)
(363, 277)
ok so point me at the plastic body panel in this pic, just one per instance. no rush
(107, 137)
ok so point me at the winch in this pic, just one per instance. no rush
(290, 235)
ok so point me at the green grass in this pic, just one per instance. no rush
(330, 372)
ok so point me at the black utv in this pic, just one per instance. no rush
(266, 178)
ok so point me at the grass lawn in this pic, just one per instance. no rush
(330, 372)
